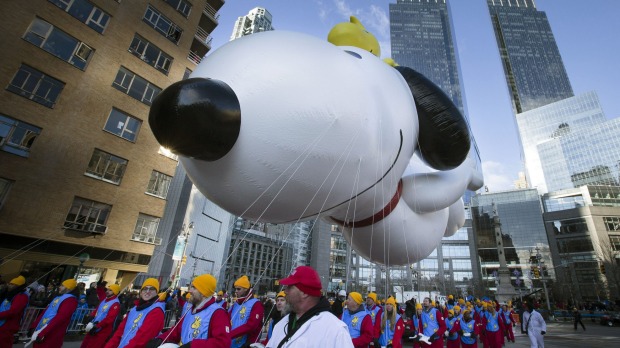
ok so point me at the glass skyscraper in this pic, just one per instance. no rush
(534, 70)
(520, 217)
(422, 38)
(550, 124)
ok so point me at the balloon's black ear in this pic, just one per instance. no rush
(444, 140)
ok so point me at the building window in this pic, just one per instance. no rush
(182, 6)
(106, 167)
(167, 153)
(85, 12)
(186, 74)
(60, 44)
(87, 216)
(612, 223)
(146, 229)
(36, 86)
(5, 187)
(135, 86)
(150, 54)
(16, 137)
(163, 25)
(123, 125)
(159, 184)
(614, 241)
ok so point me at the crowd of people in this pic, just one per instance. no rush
(300, 316)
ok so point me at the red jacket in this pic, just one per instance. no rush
(151, 327)
(440, 330)
(54, 333)
(253, 326)
(13, 315)
(366, 333)
(219, 327)
(377, 324)
(105, 327)
(399, 329)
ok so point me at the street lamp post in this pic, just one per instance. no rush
(185, 232)
(542, 278)
(83, 258)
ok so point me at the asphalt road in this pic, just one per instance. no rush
(559, 335)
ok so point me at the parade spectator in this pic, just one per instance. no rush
(103, 319)
(310, 323)
(577, 319)
(533, 325)
(39, 297)
(375, 312)
(81, 288)
(91, 296)
(338, 305)
(80, 312)
(53, 322)
(246, 315)
(13, 302)
(431, 324)
(206, 324)
(391, 325)
(143, 322)
(469, 330)
(101, 290)
(358, 321)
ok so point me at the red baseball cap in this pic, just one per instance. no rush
(305, 279)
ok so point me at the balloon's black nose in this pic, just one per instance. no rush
(197, 118)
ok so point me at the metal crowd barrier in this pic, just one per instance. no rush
(76, 325)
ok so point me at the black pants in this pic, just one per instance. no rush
(580, 322)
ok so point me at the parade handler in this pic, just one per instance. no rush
(102, 321)
(53, 322)
(431, 324)
(12, 306)
(143, 322)
(246, 315)
(205, 325)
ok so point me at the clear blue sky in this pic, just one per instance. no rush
(587, 33)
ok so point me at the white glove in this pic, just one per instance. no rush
(466, 334)
(34, 336)
(169, 345)
(89, 327)
(446, 333)
(257, 345)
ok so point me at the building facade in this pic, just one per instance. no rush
(583, 227)
(81, 171)
(519, 216)
(264, 257)
(256, 21)
(542, 132)
(532, 63)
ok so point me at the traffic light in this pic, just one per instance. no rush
(602, 267)
(184, 260)
(536, 272)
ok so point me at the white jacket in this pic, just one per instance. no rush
(322, 330)
(537, 323)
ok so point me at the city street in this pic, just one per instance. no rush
(559, 335)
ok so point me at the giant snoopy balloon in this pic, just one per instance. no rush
(281, 127)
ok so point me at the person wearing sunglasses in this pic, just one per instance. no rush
(143, 322)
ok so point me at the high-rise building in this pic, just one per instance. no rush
(422, 38)
(583, 227)
(518, 215)
(551, 123)
(256, 21)
(83, 182)
(534, 70)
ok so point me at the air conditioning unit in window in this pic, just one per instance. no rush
(96, 228)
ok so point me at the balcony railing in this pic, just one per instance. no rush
(194, 58)
(203, 37)
(211, 13)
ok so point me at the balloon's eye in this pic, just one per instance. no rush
(354, 54)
